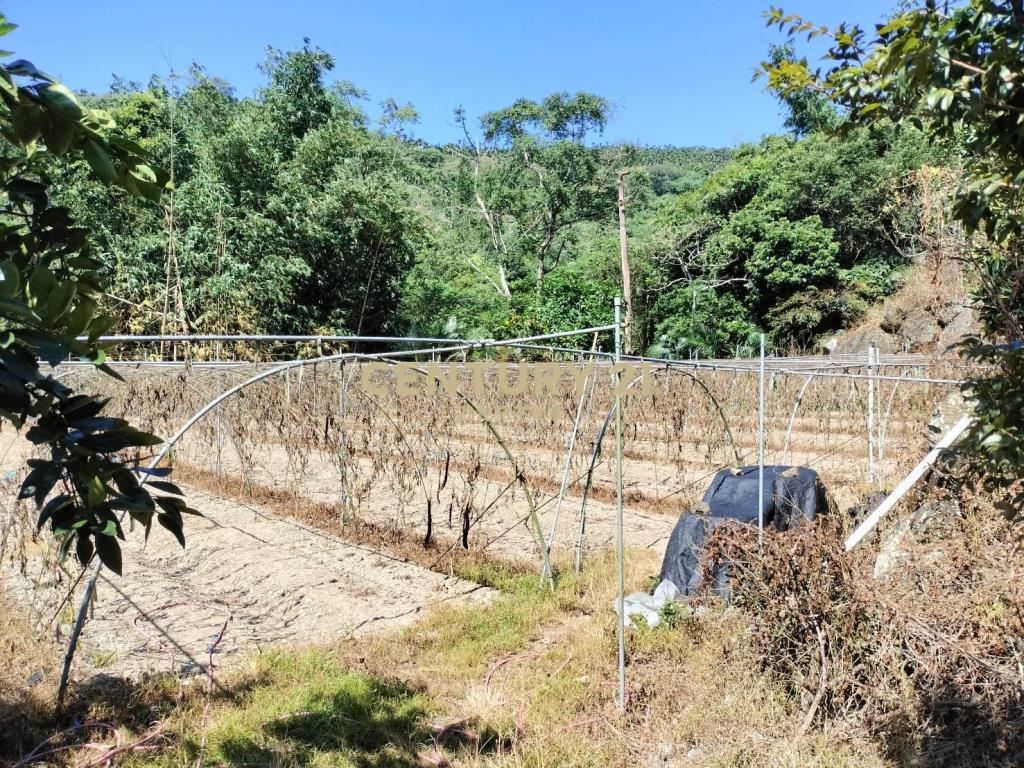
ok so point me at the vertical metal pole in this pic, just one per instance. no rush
(342, 458)
(760, 451)
(871, 414)
(220, 424)
(620, 553)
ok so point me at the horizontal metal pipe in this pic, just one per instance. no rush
(265, 338)
(150, 339)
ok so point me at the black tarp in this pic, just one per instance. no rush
(791, 494)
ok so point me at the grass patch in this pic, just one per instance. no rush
(302, 708)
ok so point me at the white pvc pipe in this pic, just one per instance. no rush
(908, 482)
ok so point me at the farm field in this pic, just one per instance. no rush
(316, 503)
(375, 394)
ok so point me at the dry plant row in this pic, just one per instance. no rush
(432, 456)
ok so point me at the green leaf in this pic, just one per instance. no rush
(53, 508)
(60, 299)
(26, 69)
(174, 525)
(110, 552)
(82, 407)
(79, 318)
(84, 549)
(39, 286)
(97, 492)
(39, 482)
(17, 311)
(100, 162)
(61, 101)
(58, 136)
(166, 487)
(26, 121)
(10, 279)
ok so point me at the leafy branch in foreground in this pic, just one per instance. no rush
(50, 309)
(957, 74)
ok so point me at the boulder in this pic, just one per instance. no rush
(857, 341)
(951, 312)
(958, 325)
(934, 519)
(918, 329)
(893, 316)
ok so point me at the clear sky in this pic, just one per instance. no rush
(676, 72)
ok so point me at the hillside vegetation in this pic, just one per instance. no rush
(292, 213)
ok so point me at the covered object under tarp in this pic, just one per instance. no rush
(791, 494)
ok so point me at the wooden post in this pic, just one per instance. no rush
(627, 290)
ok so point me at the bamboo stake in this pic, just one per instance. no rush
(546, 572)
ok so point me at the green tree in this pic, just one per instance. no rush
(533, 179)
(51, 304)
(957, 73)
(288, 213)
(791, 228)
(809, 110)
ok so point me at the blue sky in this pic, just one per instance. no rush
(676, 72)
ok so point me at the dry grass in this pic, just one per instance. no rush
(925, 661)
(528, 680)
(29, 671)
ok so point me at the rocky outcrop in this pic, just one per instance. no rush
(932, 521)
(904, 327)
(957, 321)
(946, 414)
(858, 340)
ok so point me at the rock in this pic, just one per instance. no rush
(958, 326)
(951, 312)
(829, 344)
(918, 329)
(857, 342)
(948, 413)
(936, 518)
(892, 553)
(892, 318)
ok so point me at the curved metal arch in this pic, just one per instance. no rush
(600, 438)
(792, 418)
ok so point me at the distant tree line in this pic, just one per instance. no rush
(292, 213)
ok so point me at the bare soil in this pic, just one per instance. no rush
(247, 579)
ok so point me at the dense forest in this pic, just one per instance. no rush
(292, 212)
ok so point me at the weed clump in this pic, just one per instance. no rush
(925, 660)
